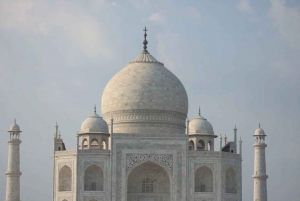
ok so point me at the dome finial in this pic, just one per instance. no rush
(95, 111)
(145, 41)
(15, 121)
(199, 111)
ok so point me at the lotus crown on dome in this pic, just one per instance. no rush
(94, 124)
(145, 57)
(200, 125)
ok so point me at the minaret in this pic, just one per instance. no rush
(260, 176)
(13, 167)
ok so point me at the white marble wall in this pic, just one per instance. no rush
(169, 151)
(65, 158)
(86, 158)
(218, 163)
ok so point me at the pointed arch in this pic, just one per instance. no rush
(204, 179)
(93, 178)
(230, 180)
(65, 179)
(149, 179)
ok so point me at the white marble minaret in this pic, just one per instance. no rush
(13, 167)
(260, 175)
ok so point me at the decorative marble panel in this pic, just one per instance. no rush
(165, 160)
(203, 199)
(210, 165)
(230, 199)
(68, 198)
(69, 164)
(89, 198)
(93, 162)
(231, 164)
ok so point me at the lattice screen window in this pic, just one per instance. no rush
(147, 186)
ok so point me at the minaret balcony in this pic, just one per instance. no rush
(260, 176)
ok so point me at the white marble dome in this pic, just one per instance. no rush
(200, 125)
(145, 97)
(94, 124)
(259, 131)
(14, 127)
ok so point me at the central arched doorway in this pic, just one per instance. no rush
(148, 182)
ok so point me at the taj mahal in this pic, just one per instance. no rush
(143, 148)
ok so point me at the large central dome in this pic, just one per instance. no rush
(145, 97)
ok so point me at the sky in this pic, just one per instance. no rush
(238, 60)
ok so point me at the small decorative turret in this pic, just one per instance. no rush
(59, 144)
(235, 138)
(201, 133)
(241, 151)
(94, 133)
(13, 167)
(260, 175)
(220, 140)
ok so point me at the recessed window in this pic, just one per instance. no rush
(147, 186)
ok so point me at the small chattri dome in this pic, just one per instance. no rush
(94, 124)
(259, 131)
(14, 127)
(200, 125)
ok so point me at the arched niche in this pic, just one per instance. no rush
(201, 145)
(204, 179)
(85, 144)
(230, 180)
(191, 145)
(94, 144)
(148, 181)
(65, 179)
(93, 178)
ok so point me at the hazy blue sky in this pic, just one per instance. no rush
(238, 59)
